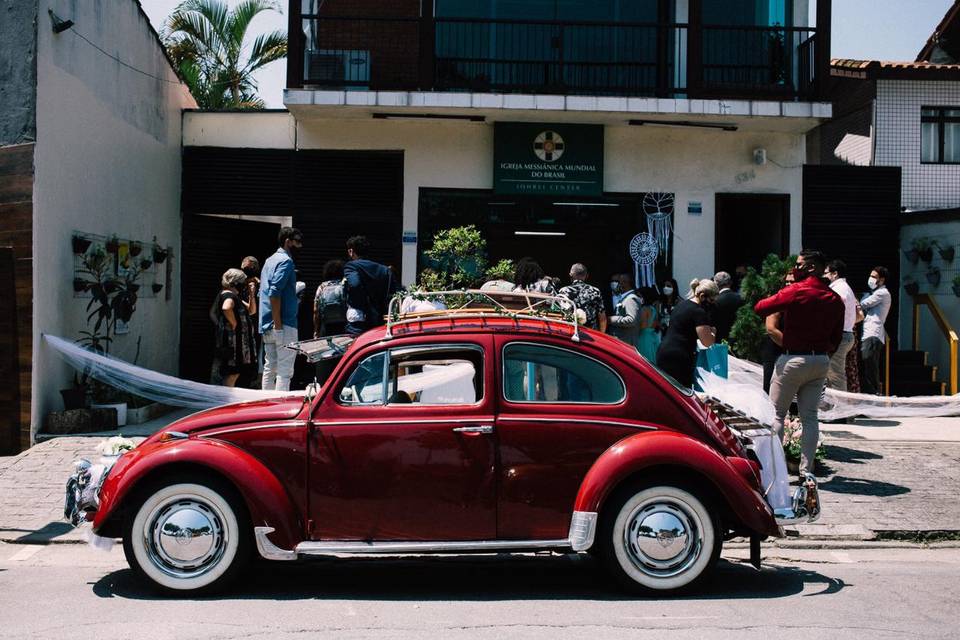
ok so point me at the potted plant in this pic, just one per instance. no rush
(956, 285)
(106, 397)
(924, 248)
(156, 286)
(80, 285)
(75, 397)
(933, 276)
(792, 444)
(80, 244)
(113, 244)
(946, 253)
(159, 255)
(145, 264)
(911, 287)
(135, 248)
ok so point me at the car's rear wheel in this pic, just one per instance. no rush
(189, 536)
(661, 538)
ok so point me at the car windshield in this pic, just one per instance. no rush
(325, 348)
(687, 391)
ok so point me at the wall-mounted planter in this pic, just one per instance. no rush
(946, 254)
(145, 264)
(159, 255)
(156, 286)
(80, 244)
(135, 249)
(912, 255)
(926, 254)
(933, 276)
(112, 245)
(912, 288)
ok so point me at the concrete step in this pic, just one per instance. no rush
(910, 389)
(914, 373)
(901, 358)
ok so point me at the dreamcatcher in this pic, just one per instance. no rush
(644, 250)
(658, 208)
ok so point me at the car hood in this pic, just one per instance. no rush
(271, 410)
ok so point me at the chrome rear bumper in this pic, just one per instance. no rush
(806, 504)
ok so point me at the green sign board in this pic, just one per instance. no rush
(548, 159)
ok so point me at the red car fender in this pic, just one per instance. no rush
(668, 448)
(266, 499)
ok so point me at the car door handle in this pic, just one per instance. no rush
(474, 429)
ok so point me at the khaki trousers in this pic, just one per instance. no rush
(802, 377)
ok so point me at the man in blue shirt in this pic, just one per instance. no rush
(278, 311)
(369, 287)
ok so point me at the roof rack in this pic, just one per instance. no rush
(474, 303)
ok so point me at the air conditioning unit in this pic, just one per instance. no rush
(337, 68)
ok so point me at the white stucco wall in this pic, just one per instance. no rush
(925, 186)
(694, 164)
(107, 162)
(946, 234)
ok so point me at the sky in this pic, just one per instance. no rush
(862, 29)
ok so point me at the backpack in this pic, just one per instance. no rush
(331, 302)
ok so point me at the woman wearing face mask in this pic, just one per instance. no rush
(624, 324)
(669, 300)
(689, 322)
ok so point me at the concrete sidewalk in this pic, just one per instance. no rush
(883, 479)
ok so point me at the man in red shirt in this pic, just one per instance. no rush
(812, 331)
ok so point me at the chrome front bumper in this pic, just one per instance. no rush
(806, 504)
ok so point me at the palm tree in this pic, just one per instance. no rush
(205, 40)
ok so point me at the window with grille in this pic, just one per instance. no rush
(940, 135)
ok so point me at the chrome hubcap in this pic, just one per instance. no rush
(185, 537)
(661, 538)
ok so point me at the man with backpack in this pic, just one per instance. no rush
(369, 286)
(330, 303)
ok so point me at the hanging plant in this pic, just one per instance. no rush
(156, 286)
(912, 255)
(135, 249)
(80, 244)
(924, 248)
(159, 255)
(946, 253)
(145, 264)
(113, 244)
(933, 276)
(911, 287)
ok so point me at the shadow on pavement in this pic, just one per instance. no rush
(44, 534)
(849, 456)
(862, 487)
(467, 578)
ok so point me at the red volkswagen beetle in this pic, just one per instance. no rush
(446, 432)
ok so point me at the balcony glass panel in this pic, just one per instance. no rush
(756, 13)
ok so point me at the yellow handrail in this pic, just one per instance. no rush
(948, 332)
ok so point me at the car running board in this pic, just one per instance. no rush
(582, 530)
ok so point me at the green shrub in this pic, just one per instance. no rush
(747, 333)
(458, 256)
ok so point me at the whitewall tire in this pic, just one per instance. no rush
(661, 538)
(188, 536)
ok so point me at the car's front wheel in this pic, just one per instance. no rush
(660, 538)
(188, 536)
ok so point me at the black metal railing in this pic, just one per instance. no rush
(567, 58)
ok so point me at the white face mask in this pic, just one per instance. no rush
(668, 291)
(872, 283)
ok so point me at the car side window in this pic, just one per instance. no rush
(539, 373)
(430, 375)
(365, 385)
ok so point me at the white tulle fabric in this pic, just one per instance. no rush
(152, 385)
(835, 404)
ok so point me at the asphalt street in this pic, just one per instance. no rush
(71, 590)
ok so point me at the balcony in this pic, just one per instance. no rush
(666, 60)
